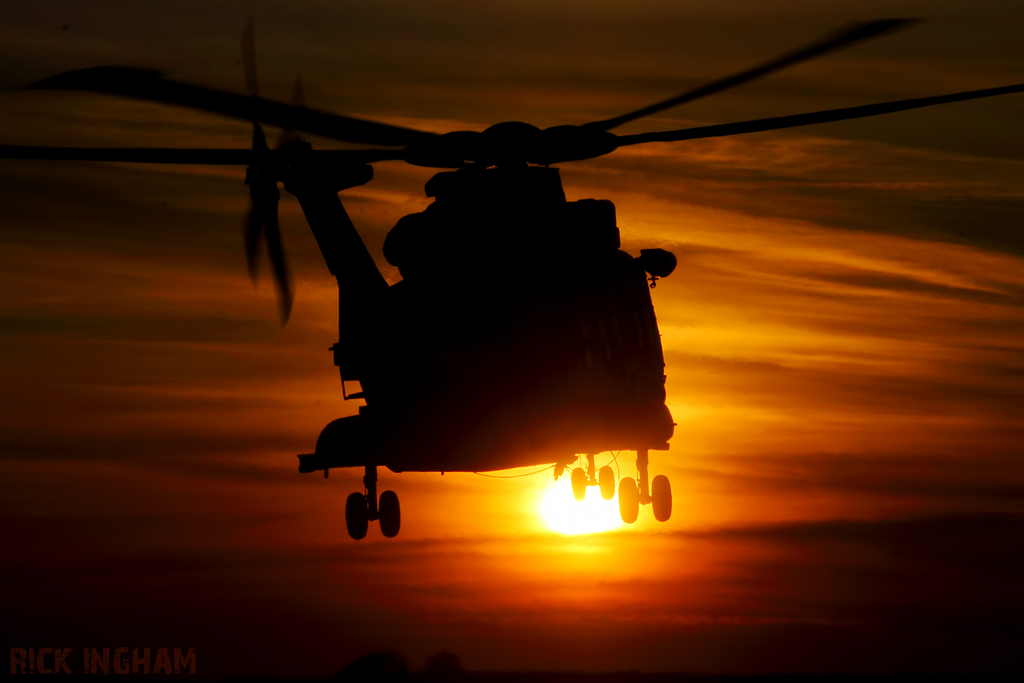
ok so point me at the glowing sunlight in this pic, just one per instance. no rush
(566, 515)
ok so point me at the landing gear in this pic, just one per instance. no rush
(356, 518)
(579, 483)
(361, 509)
(582, 478)
(633, 494)
(629, 500)
(391, 514)
(606, 481)
(661, 498)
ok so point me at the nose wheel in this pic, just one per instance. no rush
(581, 478)
(361, 509)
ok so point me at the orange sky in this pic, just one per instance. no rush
(844, 338)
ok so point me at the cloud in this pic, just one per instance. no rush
(946, 580)
(843, 337)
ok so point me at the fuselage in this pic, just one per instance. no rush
(520, 334)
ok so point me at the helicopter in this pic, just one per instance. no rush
(520, 333)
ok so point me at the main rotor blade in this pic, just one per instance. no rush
(164, 155)
(148, 85)
(146, 155)
(827, 116)
(856, 33)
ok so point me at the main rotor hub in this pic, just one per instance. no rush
(512, 143)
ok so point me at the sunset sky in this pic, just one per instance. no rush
(844, 339)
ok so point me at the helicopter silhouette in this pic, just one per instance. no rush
(520, 334)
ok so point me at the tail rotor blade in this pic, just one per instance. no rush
(259, 140)
(262, 219)
(252, 230)
(282, 276)
(298, 99)
(249, 58)
(260, 224)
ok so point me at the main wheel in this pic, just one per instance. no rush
(629, 500)
(606, 480)
(661, 498)
(357, 518)
(579, 483)
(390, 514)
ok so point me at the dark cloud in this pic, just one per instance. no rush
(894, 283)
(872, 595)
(153, 328)
(966, 386)
(989, 478)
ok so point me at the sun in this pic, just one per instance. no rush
(566, 515)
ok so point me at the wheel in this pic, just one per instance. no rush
(606, 480)
(357, 517)
(390, 514)
(629, 500)
(661, 498)
(579, 483)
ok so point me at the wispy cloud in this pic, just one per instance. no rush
(844, 340)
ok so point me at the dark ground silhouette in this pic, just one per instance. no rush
(446, 667)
